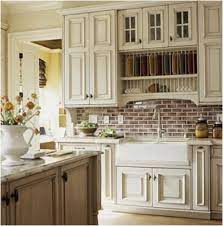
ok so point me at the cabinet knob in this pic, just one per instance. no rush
(87, 96)
(150, 177)
(91, 96)
(140, 40)
(65, 177)
(5, 198)
(171, 38)
(15, 195)
(154, 178)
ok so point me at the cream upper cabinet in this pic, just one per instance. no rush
(183, 24)
(90, 59)
(76, 71)
(130, 29)
(134, 186)
(103, 58)
(155, 27)
(210, 51)
(171, 188)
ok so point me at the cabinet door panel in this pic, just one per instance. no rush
(183, 24)
(171, 188)
(76, 32)
(134, 186)
(210, 73)
(3, 205)
(155, 27)
(130, 29)
(101, 78)
(37, 200)
(75, 200)
(216, 184)
(76, 82)
(201, 175)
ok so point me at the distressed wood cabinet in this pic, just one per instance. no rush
(90, 59)
(34, 200)
(210, 51)
(75, 187)
(171, 188)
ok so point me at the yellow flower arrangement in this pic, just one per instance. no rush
(19, 114)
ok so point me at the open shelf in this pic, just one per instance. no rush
(159, 77)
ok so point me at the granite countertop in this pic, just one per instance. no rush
(90, 139)
(39, 165)
(204, 141)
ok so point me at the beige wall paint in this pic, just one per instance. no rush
(50, 94)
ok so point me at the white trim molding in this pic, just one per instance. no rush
(27, 36)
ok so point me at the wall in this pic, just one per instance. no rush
(176, 116)
(50, 94)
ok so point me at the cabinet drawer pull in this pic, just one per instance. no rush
(154, 177)
(171, 38)
(15, 195)
(150, 177)
(200, 147)
(140, 40)
(65, 177)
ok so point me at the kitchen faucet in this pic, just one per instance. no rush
(160, 131)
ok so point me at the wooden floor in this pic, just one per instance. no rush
(112, 218)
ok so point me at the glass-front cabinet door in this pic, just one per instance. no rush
(183, 24)
(130, 29)
(155, 27)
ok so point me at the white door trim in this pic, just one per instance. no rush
(27, 36)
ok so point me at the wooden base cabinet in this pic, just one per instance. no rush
(75, 188)
(4, 204)
(34, 200)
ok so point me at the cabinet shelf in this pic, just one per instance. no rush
(158, 77)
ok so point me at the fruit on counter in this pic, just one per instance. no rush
(88, 125)
(108, 132)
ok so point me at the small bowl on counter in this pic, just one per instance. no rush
(86, 128)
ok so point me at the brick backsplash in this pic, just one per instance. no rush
(176, 117)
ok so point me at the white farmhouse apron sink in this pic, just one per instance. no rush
(154, 153)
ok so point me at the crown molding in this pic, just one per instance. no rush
(111, 6)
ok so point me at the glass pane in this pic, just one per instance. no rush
(127, 38)
(152, 20)
(178, 17)
(157, 19)
(185, 16)
(133, 38)
(132, 22)
(186, 33)
(152, 33)
(179, 32)
(127, 23)
(158, 33)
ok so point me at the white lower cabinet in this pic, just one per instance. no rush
(134, 186)
(171, 188)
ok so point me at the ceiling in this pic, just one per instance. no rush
(50, 44)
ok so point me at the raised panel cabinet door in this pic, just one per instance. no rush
(134, 186)
(216, 185)
(103, 81)
(4, 204)
(75, 190)
(34, 200)
(210, 64)
(103, 30)
(171, 188)
(155, 27)
(76, 32)
(130, 29)
(201, 178)
(107, 174)
(76, 79)
(183, 24)
(209, 20)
